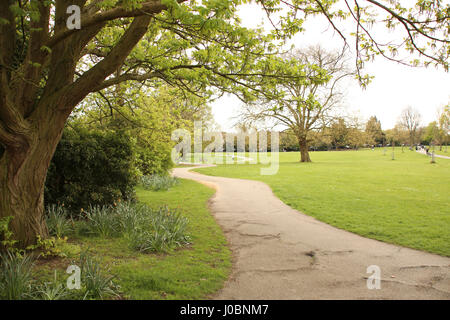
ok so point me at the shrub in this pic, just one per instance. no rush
(91, 168)
(50, 247)
(15, 276)
(158, 182)
(154, 157)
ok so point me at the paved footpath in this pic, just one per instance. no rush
(436, 155)
(280, 253)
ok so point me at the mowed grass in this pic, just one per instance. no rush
(403, 201)
(192, 272)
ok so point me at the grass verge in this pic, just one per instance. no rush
(191, 272)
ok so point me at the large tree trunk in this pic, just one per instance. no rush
(23, 169)
(23, 201)
(304, 154)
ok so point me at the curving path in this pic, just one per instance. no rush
(280, 253)
(436, 155)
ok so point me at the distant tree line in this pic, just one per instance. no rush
(345, 133)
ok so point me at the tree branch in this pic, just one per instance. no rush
(91, 78)
(125, 77)
(34, 61)
(147, 8)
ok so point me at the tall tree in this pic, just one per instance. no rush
(150, 119)
(47, 68)
(410, 120)
(373, 130)
(398, 134)
(305, 105)
(339, 133)
(444, 124)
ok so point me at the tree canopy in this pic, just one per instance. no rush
(304, 105)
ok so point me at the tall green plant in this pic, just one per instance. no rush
(58, 222)
(15, 276)
(97, 284)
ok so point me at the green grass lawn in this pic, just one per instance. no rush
(192, 272)
(403, 201)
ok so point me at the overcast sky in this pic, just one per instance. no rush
(395, 86)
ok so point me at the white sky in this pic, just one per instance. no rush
(395, 86)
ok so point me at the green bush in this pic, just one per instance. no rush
(91, 168)
(158, 182)
(154, 158)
